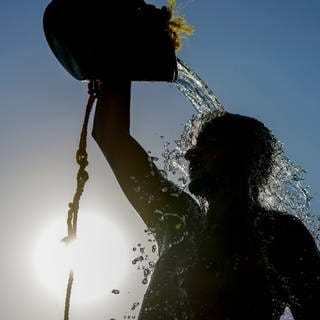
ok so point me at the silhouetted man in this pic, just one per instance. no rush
(239, 261)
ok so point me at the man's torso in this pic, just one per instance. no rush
(217, 273)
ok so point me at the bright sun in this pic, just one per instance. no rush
(99, 258)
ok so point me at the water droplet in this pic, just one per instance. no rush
(138, 259)
(135, 305)
(115, 291)
(146, 272)
(174, 195)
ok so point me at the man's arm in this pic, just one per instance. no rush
(147, 190)
(301, 268)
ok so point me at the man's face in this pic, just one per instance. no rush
(207, 164)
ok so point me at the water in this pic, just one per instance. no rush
(194, 88)
(285, 190)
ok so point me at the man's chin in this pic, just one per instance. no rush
(205, 186)
(198, 187)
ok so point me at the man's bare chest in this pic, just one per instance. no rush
(228, 272)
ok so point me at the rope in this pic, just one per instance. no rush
(68, 296)
(82, 177)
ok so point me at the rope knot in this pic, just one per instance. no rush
(82, 158)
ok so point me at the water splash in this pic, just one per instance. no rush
(145, 257)
(285, 190)
(204, 101)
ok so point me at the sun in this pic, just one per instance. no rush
(99, 259)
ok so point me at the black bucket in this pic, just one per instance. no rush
(107, 40)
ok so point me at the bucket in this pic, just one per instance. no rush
(107, 40)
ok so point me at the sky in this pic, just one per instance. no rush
(261, 59)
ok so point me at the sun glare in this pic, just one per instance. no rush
(99, 259)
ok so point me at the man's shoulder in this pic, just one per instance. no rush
(279, 221)
(284, 232)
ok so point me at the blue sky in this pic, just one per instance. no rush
(261, 58)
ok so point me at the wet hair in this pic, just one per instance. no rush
(249, 138)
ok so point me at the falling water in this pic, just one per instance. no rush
(285, 190)
(193, 87)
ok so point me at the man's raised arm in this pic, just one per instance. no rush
(147, 190)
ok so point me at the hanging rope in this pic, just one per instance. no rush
(68, 296)
(82, 177)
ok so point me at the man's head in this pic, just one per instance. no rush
(231, 150)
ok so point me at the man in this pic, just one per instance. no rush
(238, 261)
